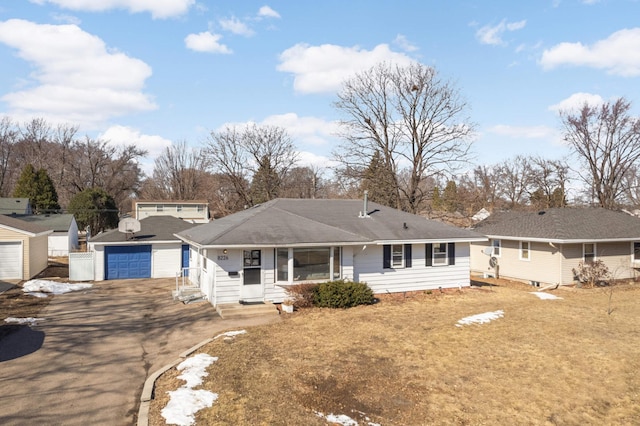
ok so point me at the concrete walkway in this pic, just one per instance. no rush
(87, 361)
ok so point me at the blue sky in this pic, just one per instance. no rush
(151, 72)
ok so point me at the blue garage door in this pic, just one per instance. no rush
(127, 262)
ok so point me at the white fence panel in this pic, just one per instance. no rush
(81, 266)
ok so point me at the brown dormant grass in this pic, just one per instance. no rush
(404, 362)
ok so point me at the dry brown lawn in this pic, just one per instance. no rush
(404, 362)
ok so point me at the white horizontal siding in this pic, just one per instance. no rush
(227, 288)
(59, 244)
(368, 268)
(99, 262)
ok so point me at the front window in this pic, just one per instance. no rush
(589, 252)
(336, 263)
(397, 255)
(282, 263)
(440, 254)
(636, 252)
(311, 263)
(496, 247)
(160, 208)
(179, 207)
(200, 208)
(524, 250)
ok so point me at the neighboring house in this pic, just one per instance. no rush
(23, 248)
(543, 247)
(193, 211)
(15, 206)
(253, 255)
(153, 252)
(64, 238)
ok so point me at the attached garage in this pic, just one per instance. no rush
(152, 252)
(23, 249)
(10, 260)
(123, 262)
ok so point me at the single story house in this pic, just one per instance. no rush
(193, 211)
(13, 206)
(543, 247)
(253, 255)
(64, 238)
(23, 248)
(152, 252)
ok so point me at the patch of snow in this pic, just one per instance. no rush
(545, 296)
(185, 402)
(342, 419)
(231, 333)
(45, 286)
(195, 368)
(28, 320)
(481, 318)
(37, 294)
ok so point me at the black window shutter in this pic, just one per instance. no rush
(386, 256)
(452, 253)
(429, 254)
(407, 255)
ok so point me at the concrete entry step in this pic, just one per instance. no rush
(239, 310)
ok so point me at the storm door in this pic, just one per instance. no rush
(252, 290)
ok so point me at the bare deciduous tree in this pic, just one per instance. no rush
(178, 174)
(240, 153)
(415, 120)
(606, 140)
(8, 139)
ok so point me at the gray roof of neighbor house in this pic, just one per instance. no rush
(153, 228)
(20, 225)
(13, 205)
(562, 225)
(283, 222)
(55, 222)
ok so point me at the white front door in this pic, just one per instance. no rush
(252, 289)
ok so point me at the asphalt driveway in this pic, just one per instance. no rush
(87, 361)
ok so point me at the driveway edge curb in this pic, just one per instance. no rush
(149, 384)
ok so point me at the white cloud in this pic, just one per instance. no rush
(577, 101)
(523, 132)
(307, 130)
(66, 19)
(404, 44)
(159, 9)
(236, 26)
(619, 54)
(493, 34)
(123, 136)
(323, 68)
(77, 79)
(206, 42)
(267, 12)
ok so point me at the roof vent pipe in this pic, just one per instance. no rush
(366, 207)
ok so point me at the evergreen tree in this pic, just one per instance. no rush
(265, 185)
(95, 208)
(450, 197)
(436, 199)
(379, 180)
(38, 188)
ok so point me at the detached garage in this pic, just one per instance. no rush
(23, 249)
(152, 252)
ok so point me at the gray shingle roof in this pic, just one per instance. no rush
(13, 205)
(305, 221)
(563, 224)
(21, 225)
(153, 228)
(55, 222)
